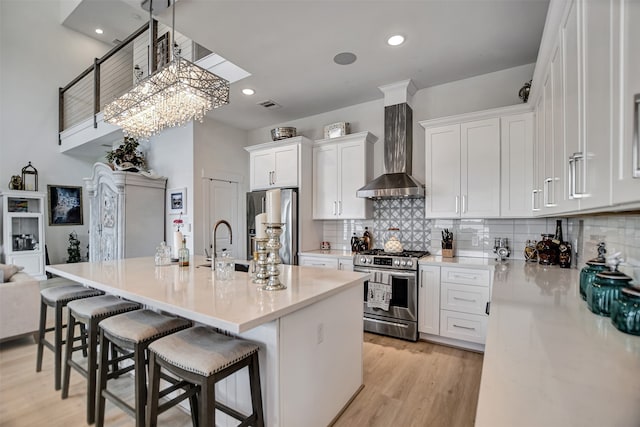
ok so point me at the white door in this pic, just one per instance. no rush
(599, 85)
(516, 156)
(223, 205)
(352, 160)
(626, 187)
(480, 168)
(285, 172)
(442, 152)
(262, 167)
(325, 181)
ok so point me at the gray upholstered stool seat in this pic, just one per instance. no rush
(203, 357)
(89, 311)
(132, 332)
(57, 297)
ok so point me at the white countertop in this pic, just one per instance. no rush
(549, 361)
(236, 305)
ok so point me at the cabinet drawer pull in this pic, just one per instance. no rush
(534, 194)
(457, 202)
(464, 204)
(464, 299)
(464, 276)
(464, 327)
(488, 308)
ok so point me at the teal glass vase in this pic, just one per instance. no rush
(625, 311)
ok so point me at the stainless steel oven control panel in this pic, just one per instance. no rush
(391, 262)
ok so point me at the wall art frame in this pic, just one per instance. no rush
(65, 205)
(177, 201)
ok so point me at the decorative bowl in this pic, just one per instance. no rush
(282, 133)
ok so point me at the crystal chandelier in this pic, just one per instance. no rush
(178, 93)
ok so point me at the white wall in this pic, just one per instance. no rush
(171, 154)
(29, 102)
(498, 89)
(220, 154)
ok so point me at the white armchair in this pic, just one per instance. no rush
(19, 306)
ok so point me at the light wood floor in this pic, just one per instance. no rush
(406, 384)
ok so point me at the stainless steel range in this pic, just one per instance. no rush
(391, 295)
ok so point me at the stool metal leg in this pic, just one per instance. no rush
(207, 403)
(140, 384)
(256, 391)
(154, 392)
(57, 344)
(91, 371)
(41, 332)
(103, 373)
(71, 326)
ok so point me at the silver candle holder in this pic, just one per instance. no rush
(261, 274)
(274, 230)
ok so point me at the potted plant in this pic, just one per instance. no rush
(127, 157)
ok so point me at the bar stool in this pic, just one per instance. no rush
(203, 357)
(89, 312)
(131, 332)
(57, 297)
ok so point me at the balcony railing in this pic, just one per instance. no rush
(113, 74)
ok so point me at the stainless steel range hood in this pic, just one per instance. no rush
(398, 148)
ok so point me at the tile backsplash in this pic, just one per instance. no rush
(475, 237)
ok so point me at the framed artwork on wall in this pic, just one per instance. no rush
(65, 205)
(177, 201)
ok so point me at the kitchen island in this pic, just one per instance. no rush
(551, 362)
(310, 334)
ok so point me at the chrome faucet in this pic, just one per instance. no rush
(215, 229)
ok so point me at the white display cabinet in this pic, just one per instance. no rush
(23, 242)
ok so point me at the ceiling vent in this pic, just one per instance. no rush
(271, 105)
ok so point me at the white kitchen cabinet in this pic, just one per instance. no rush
(626, 148)
(126, 213)
(516, 166)
(464, 297)
(572, 107)
(463, 326)
(599, 84)
(317, 261)
(463, 170)
(340, 167)
(276, 164)
(442, 171)
(23, 237)
(429, 300)
(345, 264)
(452, 304)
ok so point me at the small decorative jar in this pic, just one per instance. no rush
(605, 289)
(625, 311)
(530, 251)
(588, 274)
(547, 250)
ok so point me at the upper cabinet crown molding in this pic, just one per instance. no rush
(477, 115)
(281, 143)
(367, 136)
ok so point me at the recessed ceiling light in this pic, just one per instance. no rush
(248, 91)
(395, 40)
(99, 31)
(345, 58)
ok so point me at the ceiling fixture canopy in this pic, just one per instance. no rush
(176, 94)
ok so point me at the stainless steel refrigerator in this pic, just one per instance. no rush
(289, 238)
